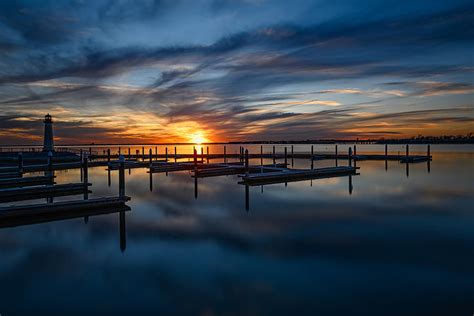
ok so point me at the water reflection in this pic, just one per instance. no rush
(402, 240)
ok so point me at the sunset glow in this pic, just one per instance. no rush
(299, 72)
(198, 138)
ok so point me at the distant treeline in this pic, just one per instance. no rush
(445, 139)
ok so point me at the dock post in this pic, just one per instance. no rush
(20, 162)
(406, 148)
(292, 156)
(428, 153)
(143, 153)
(386, 151)
(108, 155)
(225, 154)
(175, 154)
(261, 155)
(202, 154)
(122, 176)
(120, 151)
(166, 154)
(246, 161)
(80, 153)
(151, 158)
(129, 153)
(274, 161)
(90, 151)
(207, 154)
(355, 150)
(286, 160)
(350, 156)
(195, 161)
(350, 185)
(336, 153)
(156, 152)
(86, 177)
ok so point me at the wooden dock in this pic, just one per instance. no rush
(46, 191)
(12, 216)
(292, 175)
(25, 182)
(10, 175)
(234, 169)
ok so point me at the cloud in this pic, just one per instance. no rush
(268, 76)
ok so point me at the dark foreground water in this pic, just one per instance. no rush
(397, 245)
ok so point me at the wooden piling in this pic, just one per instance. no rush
(143, 153)
(286, 159)
(207, 153)
(120, 151)
(386, 150)
(202, 155)
(428, 153)
(292, 156)
(246, 161)
(225, 154)
(355, 150)
(274, 158)
(150, 157)
(122, 175)
(407, 150)
(129, 156)
(85, 177)
(108, 154)
(350, 157)
(175, 154)
(261, 155)
(166, 154)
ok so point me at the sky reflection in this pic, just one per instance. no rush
(310, 249)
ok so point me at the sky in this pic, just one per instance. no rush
(118, 71)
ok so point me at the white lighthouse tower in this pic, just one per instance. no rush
(48, 144)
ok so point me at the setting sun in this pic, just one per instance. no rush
(198, 138)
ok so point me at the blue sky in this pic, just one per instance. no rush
(158, 71)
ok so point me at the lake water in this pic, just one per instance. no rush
(395, 245)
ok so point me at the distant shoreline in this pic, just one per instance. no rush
(316, 142)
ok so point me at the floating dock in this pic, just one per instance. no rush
(233, 169)
(25, 182)
(292, 175)
(39, 213)
(38, 192)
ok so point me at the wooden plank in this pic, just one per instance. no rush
(222, 170)
(24, 182)
(10, 175)
(39, 213)
(31, 193)
(292, 175)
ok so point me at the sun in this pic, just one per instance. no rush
(198, 138)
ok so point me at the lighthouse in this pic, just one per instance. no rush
(48, 144)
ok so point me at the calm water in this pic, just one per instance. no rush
(397, 245)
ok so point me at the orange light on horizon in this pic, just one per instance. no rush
(198, 138)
